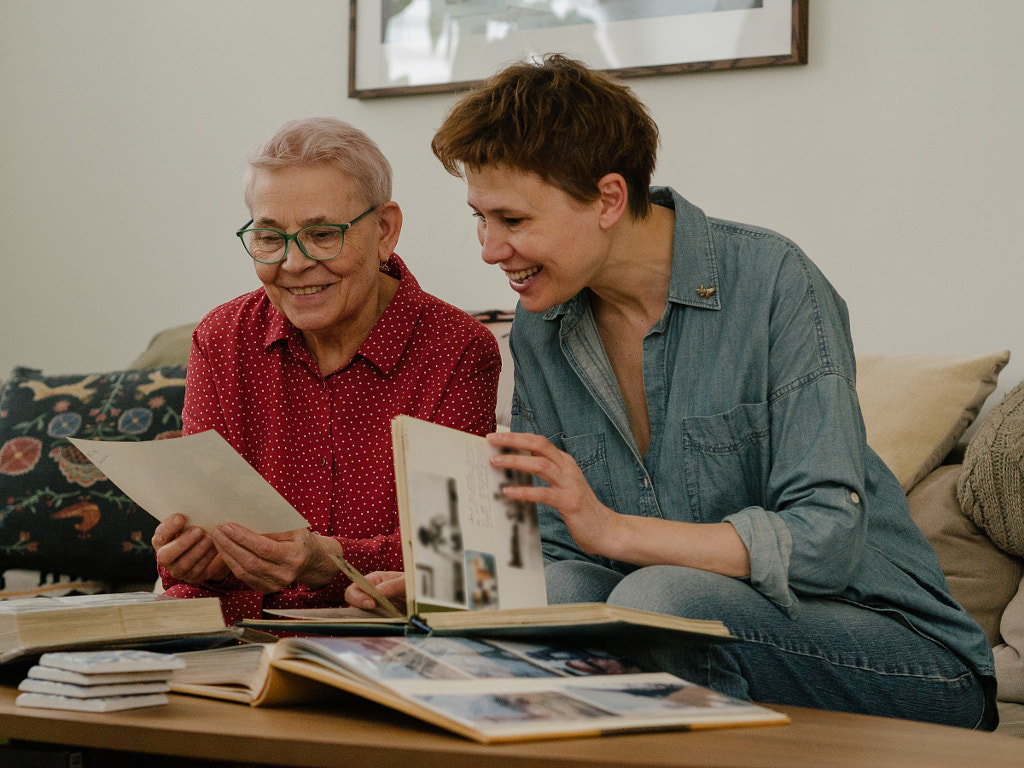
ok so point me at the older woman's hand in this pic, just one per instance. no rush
(391, 584)
(270, 562)
(187, 553)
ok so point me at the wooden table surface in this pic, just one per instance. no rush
(355, 734)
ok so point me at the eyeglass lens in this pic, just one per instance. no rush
(317, 242)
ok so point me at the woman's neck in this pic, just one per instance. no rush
(334, 349)
(634, 282)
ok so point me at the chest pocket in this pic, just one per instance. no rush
(725, 461)
(591, 455)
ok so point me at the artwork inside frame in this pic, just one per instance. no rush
(404, 47)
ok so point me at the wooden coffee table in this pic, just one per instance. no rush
(357, 734)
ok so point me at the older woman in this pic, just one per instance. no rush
(684, 390)
(304, 375)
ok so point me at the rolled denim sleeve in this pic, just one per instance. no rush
(770, 546)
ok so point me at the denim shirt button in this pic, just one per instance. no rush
(854, 497)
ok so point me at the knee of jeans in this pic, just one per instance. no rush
(674, 590)
(578, 581)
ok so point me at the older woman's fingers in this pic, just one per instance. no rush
(167, 530)
(187, 556)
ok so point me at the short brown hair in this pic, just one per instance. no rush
(559, 119)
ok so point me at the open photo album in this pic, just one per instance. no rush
(485, 690)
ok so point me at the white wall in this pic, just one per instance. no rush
(895, 158)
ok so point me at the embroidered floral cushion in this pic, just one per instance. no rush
(59, 515)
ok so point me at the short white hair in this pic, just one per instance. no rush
(324, 141)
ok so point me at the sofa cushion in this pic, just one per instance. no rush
(916, 407)
(168, 347)
(982, 578)
(1009, 654)
(58, 514)
(991, 487)
(990, 492)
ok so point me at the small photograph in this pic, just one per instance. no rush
(437, 539)
(390, 658)
(520, 518)
(649, 699)
(513, 707)
(478, 659)
(573, 662)
(482, 581)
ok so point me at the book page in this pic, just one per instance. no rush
(54, 602)
(424, 657)
(468, 544)
(520, 708)
(199, 476)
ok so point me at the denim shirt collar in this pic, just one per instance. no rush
(694, 280)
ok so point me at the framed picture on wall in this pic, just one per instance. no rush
(402, 47)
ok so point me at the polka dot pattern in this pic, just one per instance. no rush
(325, 442)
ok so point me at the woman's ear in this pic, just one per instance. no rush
(614, 198)
(389, 219)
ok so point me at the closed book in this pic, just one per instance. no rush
(32, 626)
(37, 672)
(102, 704)
(91, 691)
(112, 660)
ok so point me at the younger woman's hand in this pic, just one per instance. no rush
(591, 523)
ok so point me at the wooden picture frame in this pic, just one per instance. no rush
(404, 47)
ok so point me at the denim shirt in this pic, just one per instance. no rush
(750, 384)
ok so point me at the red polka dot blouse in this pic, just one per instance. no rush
(325, 442)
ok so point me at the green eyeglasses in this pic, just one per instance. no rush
(320, 242)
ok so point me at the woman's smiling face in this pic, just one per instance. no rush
(549, 245)
(318, 297)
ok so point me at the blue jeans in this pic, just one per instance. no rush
(833, 655)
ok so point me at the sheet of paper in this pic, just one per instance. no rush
(199, 476)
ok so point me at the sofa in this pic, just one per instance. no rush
(65, 529)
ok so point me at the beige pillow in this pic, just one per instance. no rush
(1009, 655)
(991, 488)
(169, 347)
(917, 406)
(982, 578)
